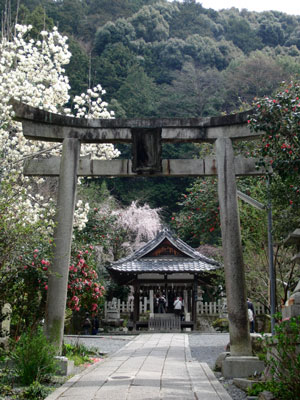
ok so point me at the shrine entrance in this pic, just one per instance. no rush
(146, 137)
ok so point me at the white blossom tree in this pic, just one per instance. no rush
(32, 71)
(142, 223)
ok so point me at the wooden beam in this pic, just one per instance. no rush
(42, 125)
(123, 168)
(258, 205)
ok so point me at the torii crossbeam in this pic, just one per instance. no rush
(146, 136)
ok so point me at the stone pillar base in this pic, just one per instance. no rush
(65, 366)
(241, 367)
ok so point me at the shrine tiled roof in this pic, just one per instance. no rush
(184, 259)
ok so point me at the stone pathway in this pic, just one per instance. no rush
(150, 367)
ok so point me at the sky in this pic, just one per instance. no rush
(287, 6)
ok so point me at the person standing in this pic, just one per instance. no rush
(251, 314)
(95, 325)
(161, 304)
(177, 306)
(87, 324)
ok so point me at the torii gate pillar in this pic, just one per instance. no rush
(58, 278)
(240, 343)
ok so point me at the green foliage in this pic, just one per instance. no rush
(279, 118)
(138, 94)
(198, 222)
(6, 390)
(121, 31)
(259, 387)
(150, 25)
(34, 357)
(190, 93)
(37, 18)
(271, 33)
(221, 324)
(79, 353)
(242, 34)
(253, 76)
(199, 19)
(23, 267)
(255, 238)
(118, 291)
(102, 230)
(68, 15)
(283, 361)
(36, 391)
(78, 68)
(112, 67)
(155, 191)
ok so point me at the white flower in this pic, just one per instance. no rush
(32, 72)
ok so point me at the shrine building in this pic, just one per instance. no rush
(165, 266)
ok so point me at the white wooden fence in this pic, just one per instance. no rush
(207, 308)
(219, 307)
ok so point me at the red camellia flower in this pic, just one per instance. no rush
(84, 290)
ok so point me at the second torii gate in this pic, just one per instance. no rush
(146, 136)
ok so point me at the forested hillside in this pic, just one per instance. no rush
(160, 58)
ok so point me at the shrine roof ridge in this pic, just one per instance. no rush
(140, 254)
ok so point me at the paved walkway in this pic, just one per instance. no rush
(151, 367)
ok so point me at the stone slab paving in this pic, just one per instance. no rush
(150, 367)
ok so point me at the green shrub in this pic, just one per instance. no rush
(221, 325)
(283, 360)
(5, 390)
(34, 358)
(36, 391)
(259, 387)
(79, 353)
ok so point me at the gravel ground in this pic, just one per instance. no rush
(204, 348)
(104, 344)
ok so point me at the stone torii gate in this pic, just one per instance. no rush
(146, 136)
